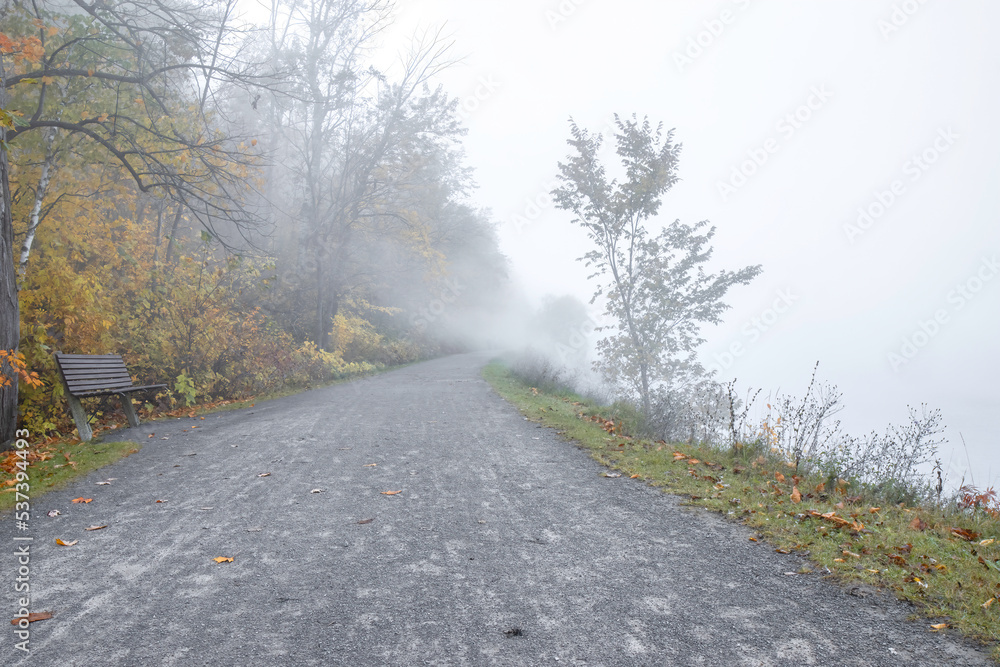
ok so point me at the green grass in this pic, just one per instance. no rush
(911, 551)
(54, 464)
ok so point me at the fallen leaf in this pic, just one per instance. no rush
(850, 553)
(223, 559)
(693, 462)
(96, 527)
(679, 455)
(161, 501)
(782, 551)
(753, 539)
(611, 474)
(364, 521)
(33, 616)
(634, 476)
(391, 493)
(839, 560)
(264, 474)
(987, 542)
(369, 465)
(821, 487)
(82, 500)
(874, 510)
(918, 524)
(66, 544)
(961, 532)
(986, 605)
(871, 570)
(796, 496)
(104, 484)
(939, 626)
(778, 476)
(53, 513)
(150, 435)
(316, 491)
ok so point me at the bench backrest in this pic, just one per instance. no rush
(93, 373)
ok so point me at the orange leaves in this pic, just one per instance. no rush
(918, 524)
(778, 476)
(796, 495)
(391, 493)
(223, 559)
(82, 500)
(66, 544)
(937, 627)
(965, 534)
(32, 617)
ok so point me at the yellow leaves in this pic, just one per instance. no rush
(938, 627)
(753, 539)
(82, 500)
(391, 493)
(223, 559)
(986, 605)
(986, 543)
(103, 117)
(66, 544)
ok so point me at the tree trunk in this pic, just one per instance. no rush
(36, 209)
(10, 316)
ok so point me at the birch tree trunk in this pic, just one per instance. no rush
(34, 218)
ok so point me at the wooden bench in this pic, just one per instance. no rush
(88, 375)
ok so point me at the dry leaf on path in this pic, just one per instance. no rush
(223, 559)
(391, 493)
(81, 500)
(32, 617)
(264, 474)
(104, 484)
(316, 491)
(53, 513)
(939, 626)
(364, 521)
(96, 527)
(66, 544)
(369, 465)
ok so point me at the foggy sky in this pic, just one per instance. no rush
(823, 108)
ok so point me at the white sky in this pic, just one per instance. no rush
(889, 95)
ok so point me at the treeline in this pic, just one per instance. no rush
(234, 208)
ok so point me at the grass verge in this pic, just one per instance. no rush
(945, 562)
(52, 465)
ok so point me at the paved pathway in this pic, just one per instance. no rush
(504, 547)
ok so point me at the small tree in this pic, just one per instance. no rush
(655, 286)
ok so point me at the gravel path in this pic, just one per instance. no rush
(504, 547)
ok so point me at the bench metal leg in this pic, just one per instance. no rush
(129, 410)
(80, 417)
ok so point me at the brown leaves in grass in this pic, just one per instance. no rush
(918, 524)
(965, 534)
